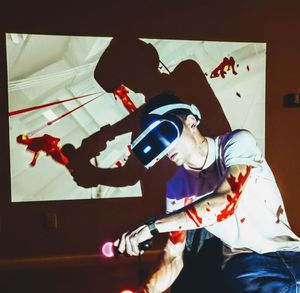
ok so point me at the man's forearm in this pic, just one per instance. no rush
(195, 216)
(164, 277)
(169, 267)
(215, 208)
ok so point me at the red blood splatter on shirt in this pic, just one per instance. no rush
(243, 220)
(177, 237)
(188, 200)
(173, 202)
(193, 215)
(122, 94)
(236, 188)
(207, 209)
(227, 64)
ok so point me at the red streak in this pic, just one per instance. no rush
(243, 220)
(236, 188)
(46, 105)
(177, 237)
(207, 209)
(61, 116)
(71, 111)
(193, 215)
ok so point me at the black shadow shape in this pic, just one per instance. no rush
(134, 63)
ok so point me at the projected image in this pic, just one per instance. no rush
(74, 104)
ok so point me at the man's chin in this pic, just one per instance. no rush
(178, 163)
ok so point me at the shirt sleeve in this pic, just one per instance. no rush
(240, 147)
(169, 207)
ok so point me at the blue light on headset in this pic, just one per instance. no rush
(154, 124)
(147, 149)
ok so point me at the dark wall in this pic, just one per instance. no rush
(82, 225)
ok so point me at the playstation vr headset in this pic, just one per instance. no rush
(162, 133)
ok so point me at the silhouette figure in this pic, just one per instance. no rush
(135, 64)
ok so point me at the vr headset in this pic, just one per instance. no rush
(161, 135)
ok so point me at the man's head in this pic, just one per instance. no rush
(157, 107)
(164, 121)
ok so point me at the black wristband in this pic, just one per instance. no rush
(150, 222)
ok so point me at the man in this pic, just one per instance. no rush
(225, 185)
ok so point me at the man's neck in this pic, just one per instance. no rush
(200, 160)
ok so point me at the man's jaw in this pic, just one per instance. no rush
(172, 155)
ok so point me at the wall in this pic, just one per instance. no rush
(82, 225)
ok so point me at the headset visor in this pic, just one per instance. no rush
(156, 141)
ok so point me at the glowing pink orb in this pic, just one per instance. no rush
(108, 249)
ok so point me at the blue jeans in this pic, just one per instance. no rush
(275, 272)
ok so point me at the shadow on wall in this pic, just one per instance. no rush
(135, 64)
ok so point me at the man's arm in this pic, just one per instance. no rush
(217, 207)
(170, 265)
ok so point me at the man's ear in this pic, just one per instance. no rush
(191, 121)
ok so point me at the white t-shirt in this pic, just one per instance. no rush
(259, 223)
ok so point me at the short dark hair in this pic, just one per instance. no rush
(165, 98)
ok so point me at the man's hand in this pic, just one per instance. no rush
(129, 241)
